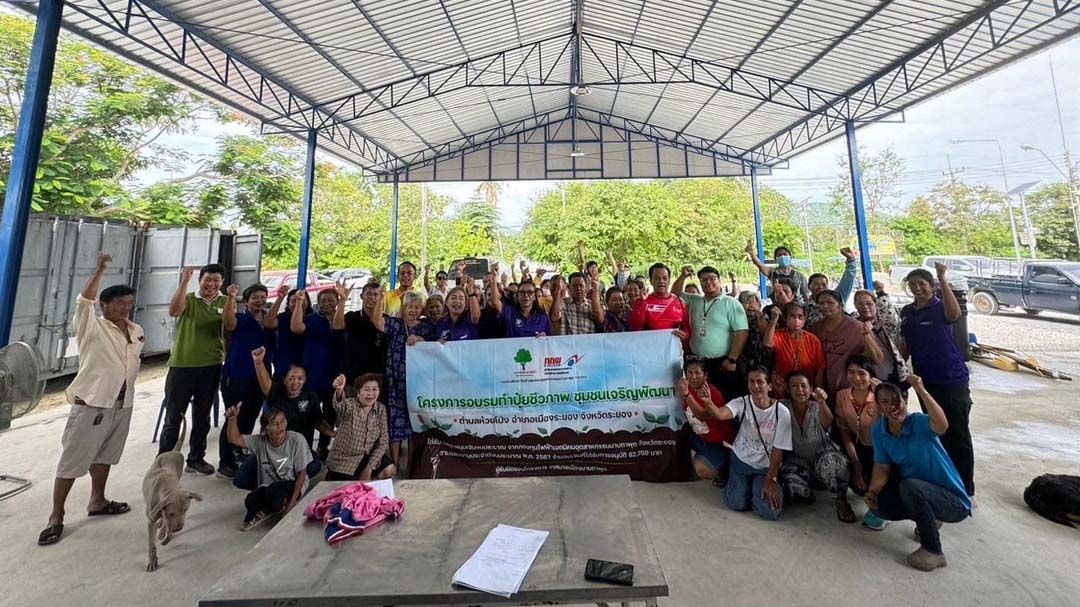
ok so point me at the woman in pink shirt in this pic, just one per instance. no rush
(841, 337)
(856, 413)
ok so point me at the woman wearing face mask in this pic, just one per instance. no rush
(711, 436)
(842, 337)
(926, 325)
(784, 269)
(281, 458)
(795, 349)
(462, 315)
(362, 441)
(856, 413)
(914, 478)
(814, 458)
(892, 367)
(754, 354)
(616, 314)
(401, 332)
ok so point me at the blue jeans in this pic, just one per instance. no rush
(247, 475)
(746, 489)
(922, 502)
(716, 455)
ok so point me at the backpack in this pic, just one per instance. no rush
(1055, 497)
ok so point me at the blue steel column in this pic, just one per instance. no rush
(24, 161)
(305, 221)
(759, 238)
(393, 234)
(860, 210)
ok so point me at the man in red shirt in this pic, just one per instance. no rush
(661, 309)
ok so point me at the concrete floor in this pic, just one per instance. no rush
(1006, 555)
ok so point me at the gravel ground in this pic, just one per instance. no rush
(1047, 332)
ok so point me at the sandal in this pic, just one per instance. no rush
(844, 511)
(110, 509)
(50, 535)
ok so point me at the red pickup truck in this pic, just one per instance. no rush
(316, 283)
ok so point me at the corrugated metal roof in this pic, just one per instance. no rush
(406, 84)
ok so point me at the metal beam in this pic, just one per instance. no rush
(309, 203)
(201, 55)
(759, 235)
(861, 229)
(24, 161)
(981, 33)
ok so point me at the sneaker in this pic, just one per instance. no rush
(256, 520)
(924, 560)
(200, 467)
(874, 523)
(226, 471)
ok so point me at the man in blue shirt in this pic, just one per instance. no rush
(324, 344)
(239, 383)
(913, 478)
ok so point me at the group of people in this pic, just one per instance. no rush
(784, 395)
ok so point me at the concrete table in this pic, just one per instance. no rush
(411, 561)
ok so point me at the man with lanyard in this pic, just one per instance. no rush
(406, 275)
(195, 362)
(101, 396)
(661, 309)
(239, 382)
(576, 315)
(365, 348)
(718, 329)
(442, 286)
(784, 269)
(323, 331)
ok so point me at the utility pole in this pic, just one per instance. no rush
(806, 230)
(951, 174)
(423, 226)
(1069, 167)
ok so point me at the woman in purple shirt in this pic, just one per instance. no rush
(462, 314)
(525, 319)
(926, 327)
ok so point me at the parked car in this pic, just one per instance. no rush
(1053, 285)
(316, 283)
(355, 278)
(958, 268)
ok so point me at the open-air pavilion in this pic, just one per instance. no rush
(470, 90)
(466, 90)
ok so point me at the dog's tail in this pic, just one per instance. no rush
(183, 434)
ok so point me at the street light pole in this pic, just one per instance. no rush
(1070, 177)
(1005, 179)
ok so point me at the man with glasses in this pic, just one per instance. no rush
(442, 286)
(718, 329)
(523, 318)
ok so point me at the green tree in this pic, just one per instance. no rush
(882, 173)
(523, 357)
(1052, 216)
(105, 119)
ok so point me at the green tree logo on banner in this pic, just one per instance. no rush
(523, 357)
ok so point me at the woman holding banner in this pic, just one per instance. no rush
(462, 315)
(401, 332)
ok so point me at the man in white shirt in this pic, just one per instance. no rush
(101, 398)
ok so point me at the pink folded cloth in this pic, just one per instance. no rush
(349, 510)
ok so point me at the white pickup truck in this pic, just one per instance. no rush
(957, 270)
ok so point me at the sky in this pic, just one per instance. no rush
(1014, 105)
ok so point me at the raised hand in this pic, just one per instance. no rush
(774, 314)
(524, 265)
(682, 388)
(687, 271)
(867, 328)
(916, 382)
(257, 354)
(187, 273)
(427, 268)
(460, 268)
(540, 272)
(339, 383)
(232, 290)
(940, 269)
(819, 395)
(282, 290)
(232, 411)
(848, 253)
(749, 248)
(103, 260)
(299, 298)
(731, 276)
(594, 284)
(343, 291)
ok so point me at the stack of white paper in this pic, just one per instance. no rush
(500, 564)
